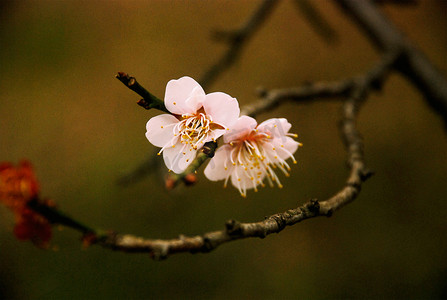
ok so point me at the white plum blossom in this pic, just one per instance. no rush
(252, 152)
(196, 118)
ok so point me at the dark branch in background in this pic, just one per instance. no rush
(236, 40)
(150, 166)
(318, 23)
(413, 64)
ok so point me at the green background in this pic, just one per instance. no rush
(62, 108)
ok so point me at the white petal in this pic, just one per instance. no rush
(179, 91)
(196, 99)
(285, 146)
(275, 127)
(160, 129)
(215, 170)
(242, 180)
(243, 126)
(223, 108)
(178, 158)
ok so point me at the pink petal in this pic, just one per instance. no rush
(285, 146)
(216, 167)
(275, 127)
(214, 134)
(178, 158)
(196, 99)
(243, 126)
(222, 108)
(160, 129)
(183, 96)
(241, 179)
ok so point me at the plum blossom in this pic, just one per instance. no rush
(19, 187)
(196, 118)
(252, 152)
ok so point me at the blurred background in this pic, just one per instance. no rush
(62, 108)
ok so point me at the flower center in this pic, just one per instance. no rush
(255, 157)
(195, 129)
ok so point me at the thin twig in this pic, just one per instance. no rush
(203, 154)
(149, 101)
(236, 40)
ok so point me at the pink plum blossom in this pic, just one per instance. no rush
(196, 118)
(252, 152)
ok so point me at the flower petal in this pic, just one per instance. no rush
(285, 146)
(243, 126)
(196, 99)
(218, 168)
(178, 96)
(275, 127)
(242, 180)
(160, 129)
(222, 108)
(178, 158)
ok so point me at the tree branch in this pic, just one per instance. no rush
(413, 64)
(317, 21)
(236, 40)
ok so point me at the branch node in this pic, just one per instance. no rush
(233, 227)
(280, 220)
(209, 149)
(261, 92)
(366, 174)
(160, 253)
(313, 206)
(207, 245)
(143, 103)
(190, 179)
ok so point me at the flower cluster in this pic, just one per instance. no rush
(18, 187)
(250, 153)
